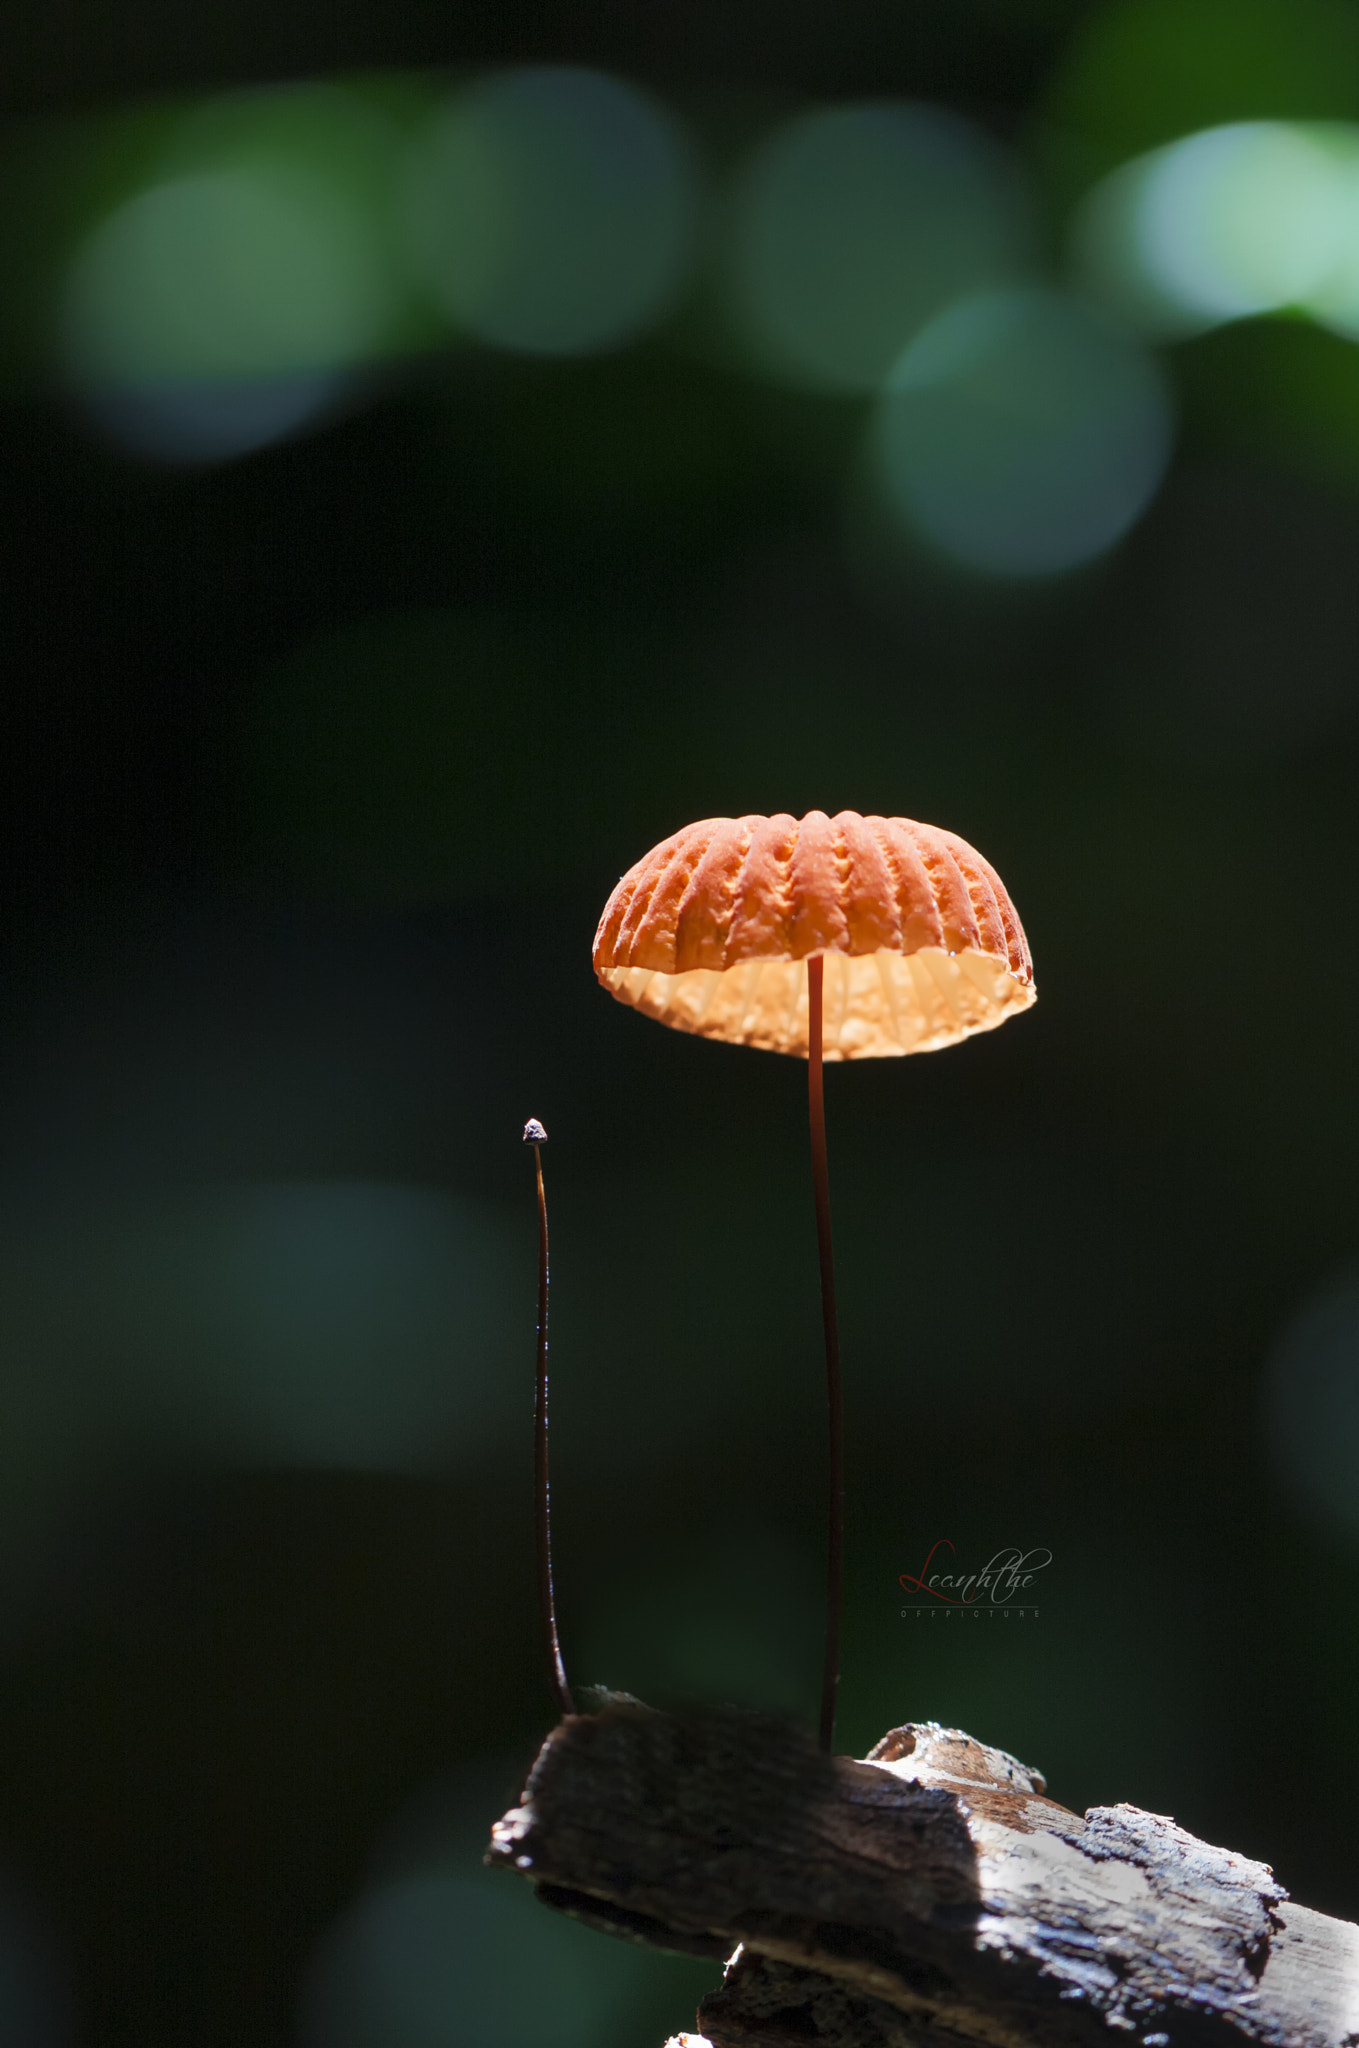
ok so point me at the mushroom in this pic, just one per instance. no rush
(535, 1135)
(910, 943)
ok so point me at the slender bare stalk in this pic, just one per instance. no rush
(835, 1544)
(535, 1135)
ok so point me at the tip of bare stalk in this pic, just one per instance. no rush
(534, 1134)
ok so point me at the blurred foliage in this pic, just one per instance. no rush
(1140, 72)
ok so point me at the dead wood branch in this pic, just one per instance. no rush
(927, 1897)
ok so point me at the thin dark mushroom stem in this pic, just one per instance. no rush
(816, 1108)
(547, 1602)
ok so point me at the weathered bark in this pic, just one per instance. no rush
(927, 1897)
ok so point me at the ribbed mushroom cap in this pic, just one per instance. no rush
(708, 933)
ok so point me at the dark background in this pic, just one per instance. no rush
(262, 1687)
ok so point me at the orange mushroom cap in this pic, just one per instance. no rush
(921, 942)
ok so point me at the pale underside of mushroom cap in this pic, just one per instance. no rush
(710, 933)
